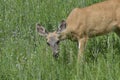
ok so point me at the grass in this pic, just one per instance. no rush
(24, 55)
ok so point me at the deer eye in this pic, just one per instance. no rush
(58, 42)
(48, 44)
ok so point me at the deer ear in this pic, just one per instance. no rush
(41, 30)
(62, 26)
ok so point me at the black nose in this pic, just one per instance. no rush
(55, 55)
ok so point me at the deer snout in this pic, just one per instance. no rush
(56, 54)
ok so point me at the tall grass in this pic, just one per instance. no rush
(24, 55)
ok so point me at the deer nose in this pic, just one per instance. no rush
(55, 54)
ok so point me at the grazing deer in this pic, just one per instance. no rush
(84, 23)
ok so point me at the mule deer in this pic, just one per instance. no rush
(84, 23)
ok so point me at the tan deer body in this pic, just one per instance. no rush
(84, 23)
(95, 20)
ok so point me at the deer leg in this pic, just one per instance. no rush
(82, 43)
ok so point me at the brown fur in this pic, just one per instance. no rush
(95, 20)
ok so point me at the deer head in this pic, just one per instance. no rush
(52, 38)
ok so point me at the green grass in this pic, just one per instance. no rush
(24, 55)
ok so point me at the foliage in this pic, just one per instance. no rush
(24, 55)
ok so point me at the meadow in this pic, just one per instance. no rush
(24, 55)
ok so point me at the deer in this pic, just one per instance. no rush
(84, 23)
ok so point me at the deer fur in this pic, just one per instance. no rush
(95, 20)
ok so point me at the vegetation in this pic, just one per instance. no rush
(24, 55)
